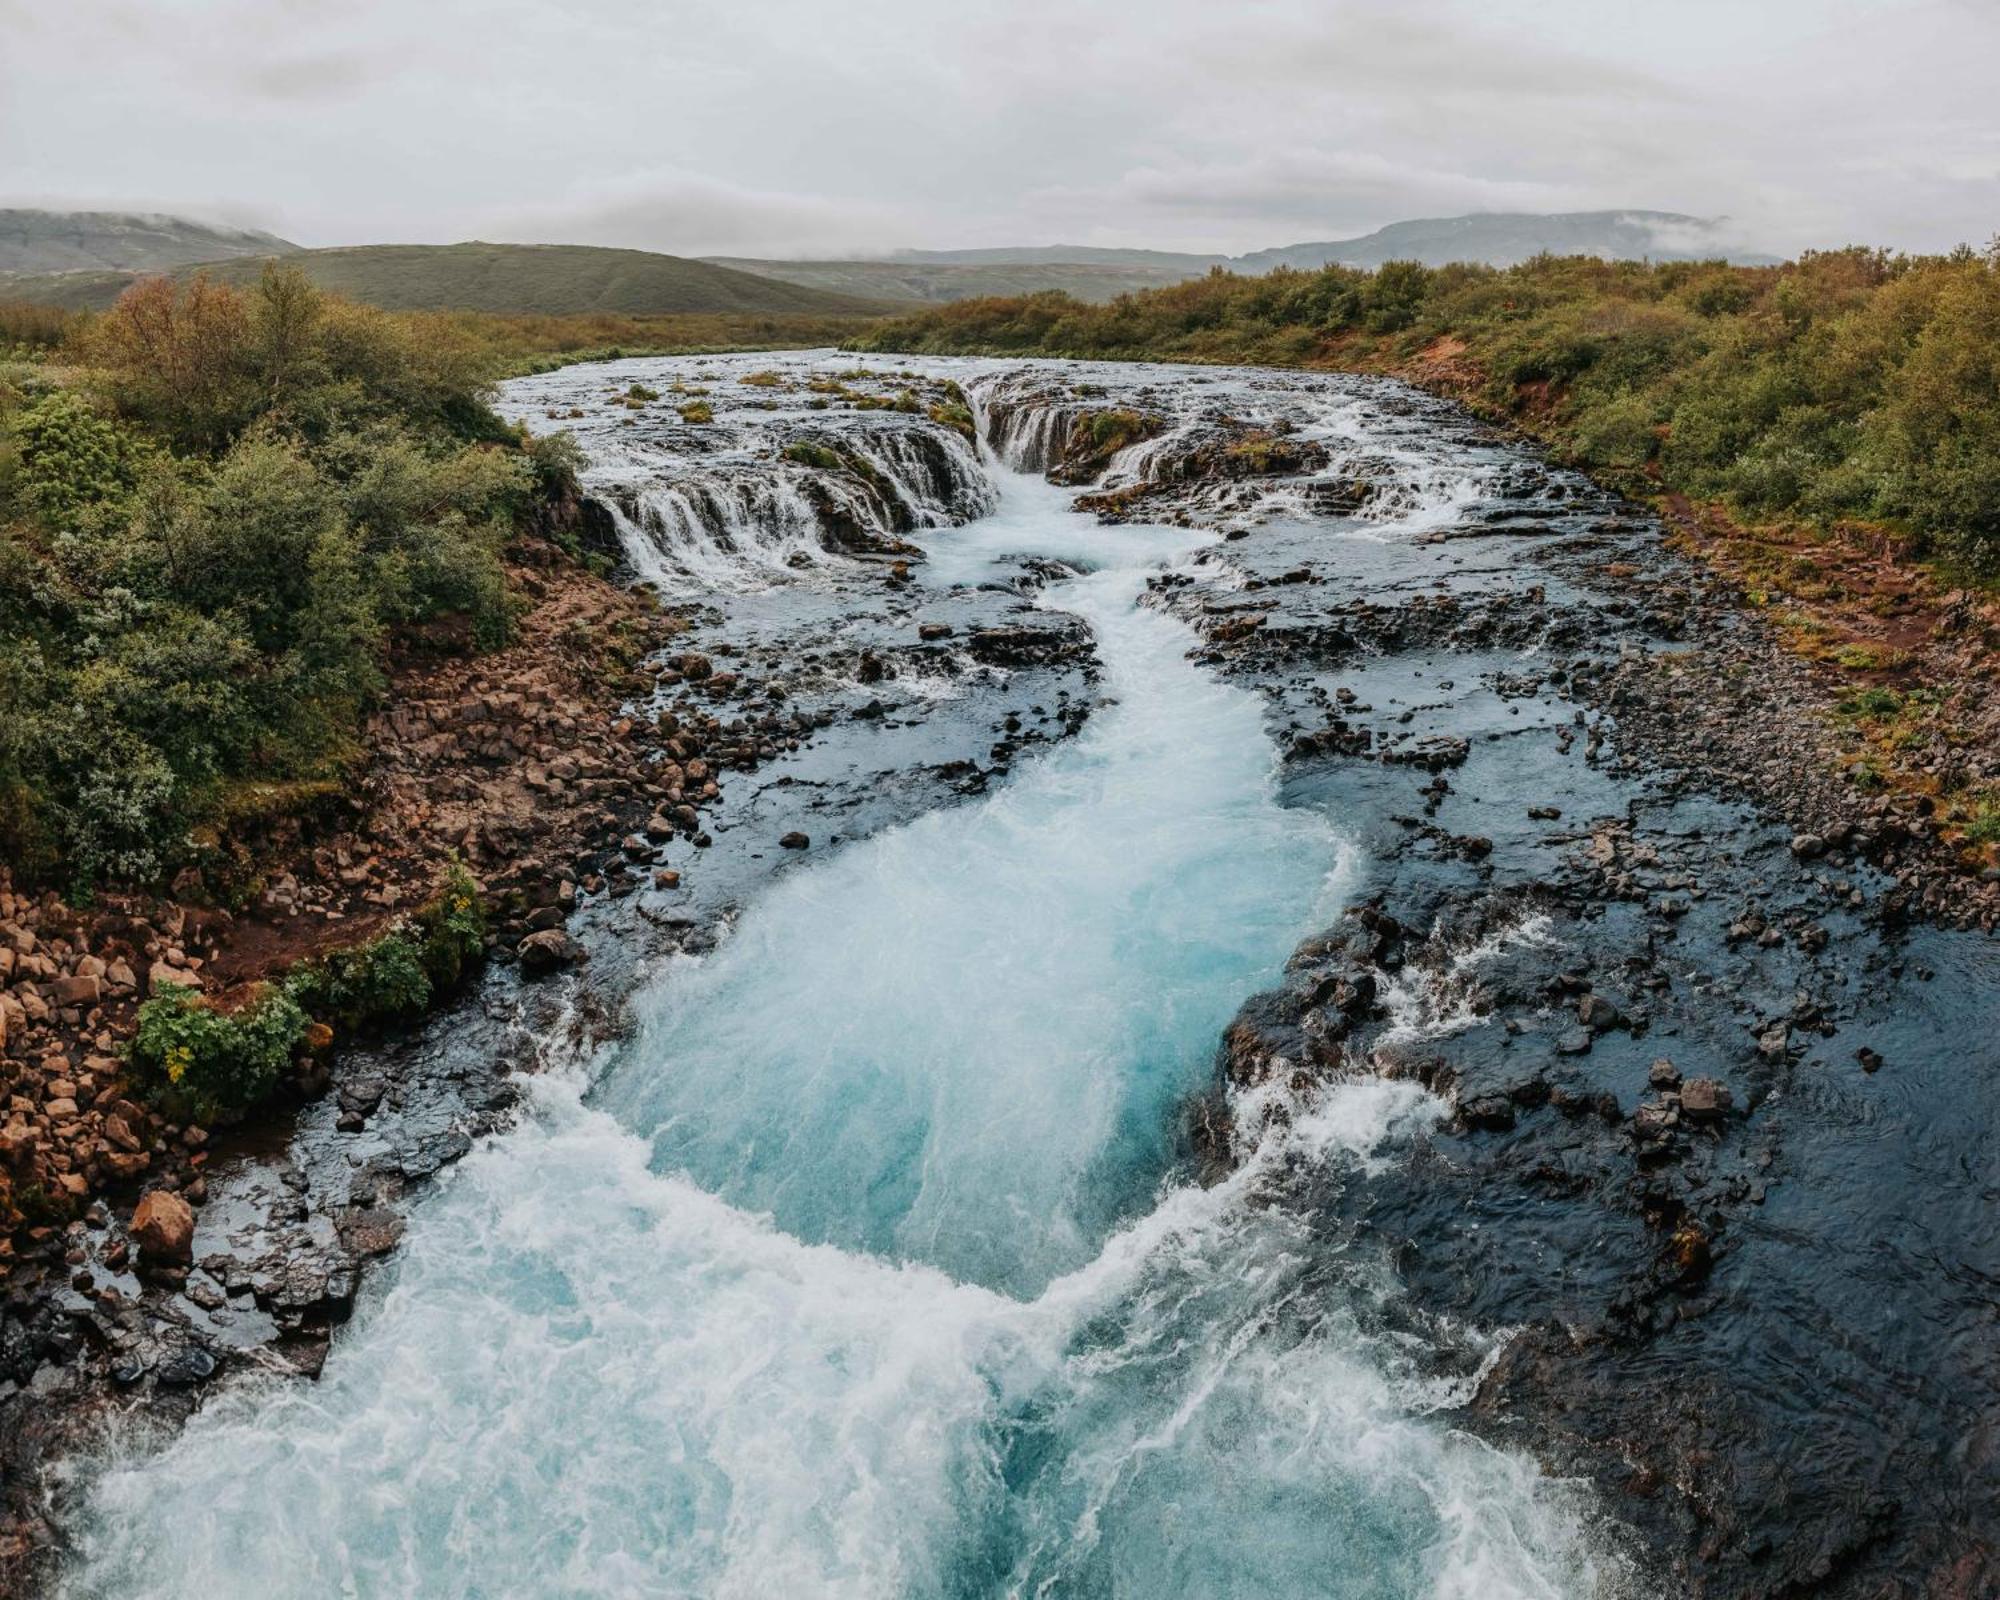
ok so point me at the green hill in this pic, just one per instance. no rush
(119, 241)
(539, 279)
(938, 281)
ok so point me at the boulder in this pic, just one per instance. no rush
(1705, 1099)
(548, 950)
(1597, 1014)
(76, 991)
(163, 1226)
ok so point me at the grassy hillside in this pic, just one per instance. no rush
(510, 279)
(116, 241)
(938, 282)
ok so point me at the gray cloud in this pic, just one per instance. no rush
(314, 77)
(780, 126)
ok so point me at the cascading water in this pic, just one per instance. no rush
(733, 480)
(868, 1268)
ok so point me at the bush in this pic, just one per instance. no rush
(804, 453)
(71, 460)
(212, 1064)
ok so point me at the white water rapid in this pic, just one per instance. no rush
(868, 1268)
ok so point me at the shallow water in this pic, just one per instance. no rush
(872, 1264)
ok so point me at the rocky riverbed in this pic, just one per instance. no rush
(1700, 1214)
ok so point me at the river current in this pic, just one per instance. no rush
(872, 1263)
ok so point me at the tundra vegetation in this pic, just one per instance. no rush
(219, 511)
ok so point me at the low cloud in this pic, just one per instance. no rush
(683, 213)
(757, 128)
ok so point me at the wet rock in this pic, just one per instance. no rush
(1574, 1042)
(188, 1365)
(794, 841)
(1432, 753)
(1663, 1074)
(1598, 1014)
(548, 951)
(163, 1225)
(1493, 1112)
(1705, 1099)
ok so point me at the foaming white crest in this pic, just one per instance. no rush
(1430, 1001)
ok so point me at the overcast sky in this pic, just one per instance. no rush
(788, 127)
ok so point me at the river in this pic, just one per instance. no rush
(876, 1259)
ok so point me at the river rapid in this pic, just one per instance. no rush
(911, 1242)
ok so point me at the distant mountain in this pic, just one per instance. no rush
(1498, 238)
(931, 282)
(1068, 255)
(85, 241)
(545, 279)
(1507, 238)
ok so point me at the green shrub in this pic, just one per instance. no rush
(807, 454)
(697, 411)
(70, 458)
(210, 1063)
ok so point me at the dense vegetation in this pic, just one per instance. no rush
(216, 509)
(1847, 386)
(506, 279)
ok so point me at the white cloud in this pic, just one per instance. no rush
(783, 126)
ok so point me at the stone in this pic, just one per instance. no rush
(1663, 1074)
(164, 974)
(1494, 1112)
(1573, 1042)
(76, 991)
(163, 1226)
(1806, 846)
(794, 841)
(548, 950)
(934, 630)
(1597, 1014)
(1705, 1099)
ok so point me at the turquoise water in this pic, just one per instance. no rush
(865, 1268)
